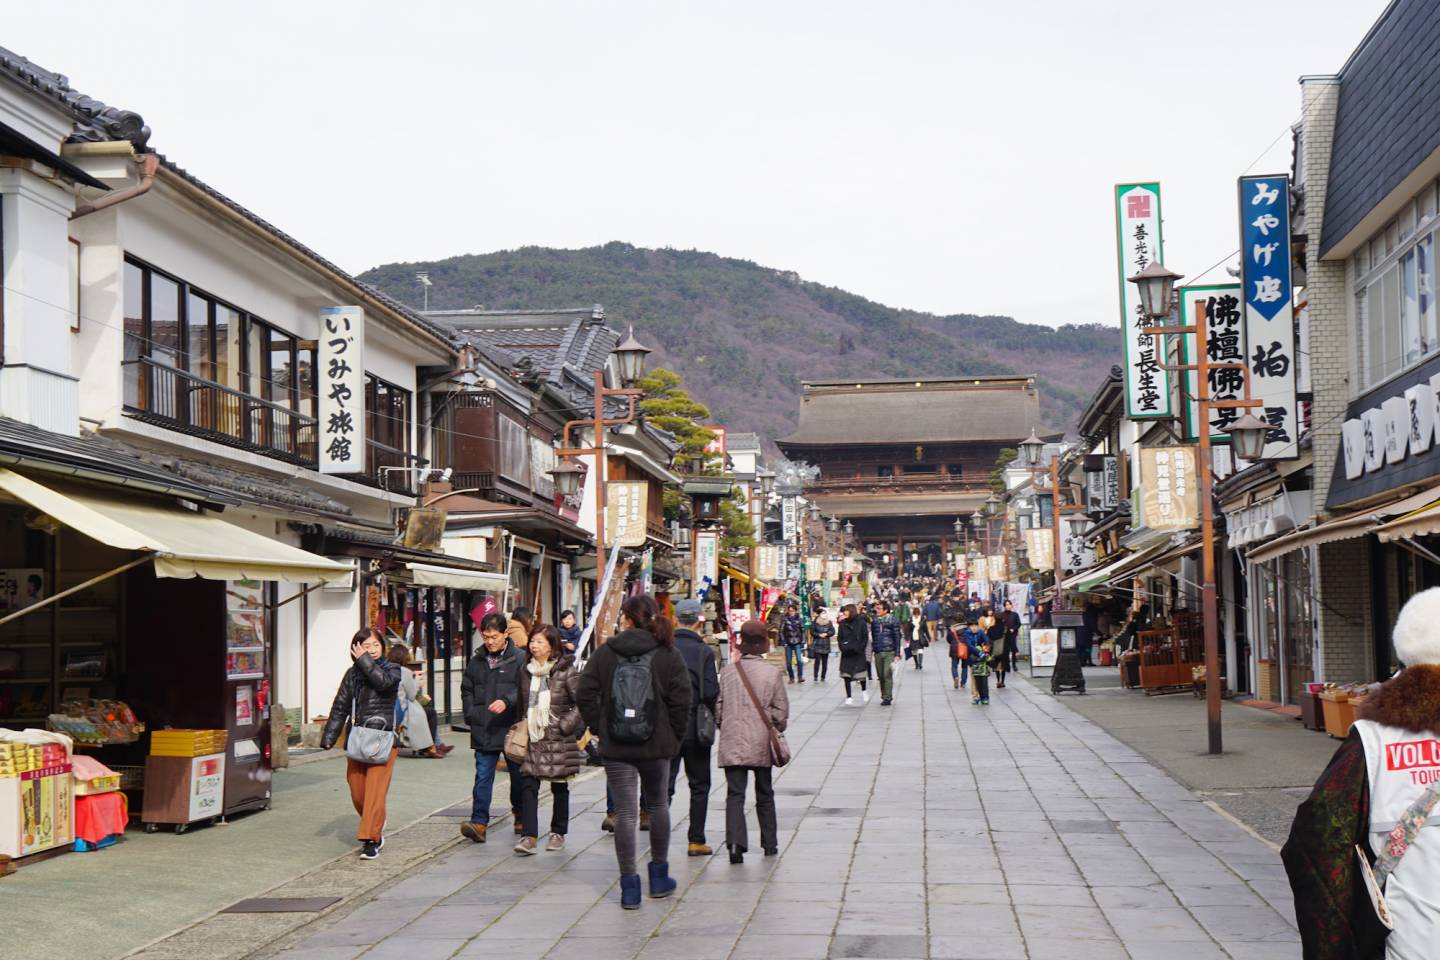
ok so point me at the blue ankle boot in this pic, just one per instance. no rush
(661, 886)
(630, 891)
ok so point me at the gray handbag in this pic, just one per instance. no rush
(367, 744)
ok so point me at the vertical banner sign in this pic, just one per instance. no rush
(1040, 548)
(789, 509)
(1218, 307)
(707, 561)
(1112, 483)
(1137, 225)
(1269, 314)
(1075, 554)
(626, 505)
(341, 404)
(1168, 477)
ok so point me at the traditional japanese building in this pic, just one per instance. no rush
(902, 459)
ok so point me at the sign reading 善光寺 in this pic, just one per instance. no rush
(1137, 226)
(1169, 480)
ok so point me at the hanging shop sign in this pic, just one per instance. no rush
(789, 517)
(1075, 553)
(767, 562)
(1138, 244)
(1040, 548)
(707, 560)
(1269, 312)
(1218, 306)
(1168, 477)
(626, 506)
(341, 401)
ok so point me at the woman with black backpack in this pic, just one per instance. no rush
(635, 695)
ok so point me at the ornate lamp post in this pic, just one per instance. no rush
(1156, 284)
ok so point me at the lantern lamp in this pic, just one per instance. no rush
(1157, 288)
(567, 478)
(630, 355)
(1247, 436)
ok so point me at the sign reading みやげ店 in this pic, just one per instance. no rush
(341, 401)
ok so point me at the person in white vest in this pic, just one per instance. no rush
(1375, 800)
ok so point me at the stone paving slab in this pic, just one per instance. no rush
(930, 830)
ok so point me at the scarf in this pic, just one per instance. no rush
(537, 716)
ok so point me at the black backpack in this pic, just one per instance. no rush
(632, 700)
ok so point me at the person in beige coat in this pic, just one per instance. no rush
(744, 741)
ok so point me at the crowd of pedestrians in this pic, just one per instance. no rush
(647, 703)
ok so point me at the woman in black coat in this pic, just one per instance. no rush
(854, 640)
(367, 694)
(632, 763)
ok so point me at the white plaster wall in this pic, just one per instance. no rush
(334, 618)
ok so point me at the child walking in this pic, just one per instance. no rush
(979, 667)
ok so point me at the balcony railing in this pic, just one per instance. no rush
(905, 483)
(389, 468)
(173, 398)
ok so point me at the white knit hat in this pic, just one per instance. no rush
(1417, 629)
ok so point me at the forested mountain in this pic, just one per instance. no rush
(744, 336)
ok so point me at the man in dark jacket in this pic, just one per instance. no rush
(489, 694)
(886, 644)
(704, 691)
(792, 635)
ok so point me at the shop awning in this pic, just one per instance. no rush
(1417, 523)
(430, 575)
(734, 574)
(184, 543)
(1098, 576)
(1348, 527)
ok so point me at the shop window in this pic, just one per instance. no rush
(1393, 279)
(387, 417)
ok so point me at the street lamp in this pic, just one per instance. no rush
(567, 478)
(1156, 286)
(1247, 436)
(814, 510)
(849, 529)
(630, 358)
(833, 524)
(1031, 448)
(959, 527)
(1157, 289)
(977, 519)
(992, 505)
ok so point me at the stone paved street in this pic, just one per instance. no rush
(933, 829)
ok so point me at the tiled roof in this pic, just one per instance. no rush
(937, 411)
(94, 121)
(742, 441)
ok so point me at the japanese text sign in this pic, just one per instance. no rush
(1137, 225)
(789, 518)
(1040, 547)
(1218, 306)
(707, 561)
(1269, 315)
(626, 505)
(341, 403)
(1169, 479)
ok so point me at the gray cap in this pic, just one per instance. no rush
(687, 611)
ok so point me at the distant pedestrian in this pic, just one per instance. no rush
(854, 639)
(694, 753)
(978, 653)
(959, 656)
(1011, 619)
(490, 697)
(366, 698)
(999, 654)
(822, 634)
(518, 628)
(792, 635)
(570, 632)
(414, 730)
(920, 639)
(635, 695)
(932, 613)
(552, 721)
(752, 711)
(885, 643)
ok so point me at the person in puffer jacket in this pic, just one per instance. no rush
(792, 635)
(887, 644)
(367, 693)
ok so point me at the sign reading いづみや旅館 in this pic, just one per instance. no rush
(341, 400)
(1169, 480)
(1137, 226)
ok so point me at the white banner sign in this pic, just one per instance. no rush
(1137, 226)
(1040, 548)
(707, 560)
(789, 515)
(1075, 554)
(341, 403)
(1218, 306)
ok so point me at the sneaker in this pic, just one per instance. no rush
(849, 701)
(556, 842)
(473, 831)
(699, 850)
(957, 682)
(802, 679)
(975, 701)
(885, 703)
(984, 703)
(380, 844)
(526, 847)
(369, 850)
(608, 824)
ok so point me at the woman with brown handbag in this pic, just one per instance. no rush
(752, 713)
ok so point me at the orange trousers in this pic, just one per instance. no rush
(369, 783)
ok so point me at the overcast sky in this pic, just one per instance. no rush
(946, 156)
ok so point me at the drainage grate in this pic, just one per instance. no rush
(282, 905)
(1083, 826)
(460, 811)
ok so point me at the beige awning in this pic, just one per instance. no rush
(1348, 527)
(185, 543)
(432, 575)
(1100, 576)
(1417, 523)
